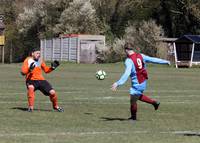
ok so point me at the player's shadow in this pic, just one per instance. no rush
(88, 113)
(113, 119)
(192, 134)
(26, 109)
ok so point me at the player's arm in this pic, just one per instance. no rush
(48, 69)
(24, 69)
(27, 67)
(125, 76)
(154, 60)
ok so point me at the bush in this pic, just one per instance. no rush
(110, 54)
(162, 50)
(79, 17)
(145, 36)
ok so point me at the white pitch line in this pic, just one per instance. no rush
(61, 133)
(24, 93)
(194, 133)
(106, 97)
(182, 132)
(173, 91)
(125, 97)
(97, 103)
(107, 91)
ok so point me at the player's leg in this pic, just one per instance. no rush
(47, 89)
(133, 107)
(149, 100)
(54, 100)
(31, 96)
(31, 85)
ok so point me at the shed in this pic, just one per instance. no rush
(187, 50)
(168, 50)
(2, 27)
(72, 47)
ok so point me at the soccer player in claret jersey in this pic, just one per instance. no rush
(136, 69)
(32, 69)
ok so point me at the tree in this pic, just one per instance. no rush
(43, 15)
(179, 17)
(118, 13)
(79, 17)
(13, 40)
(28, 21)
(145, 36)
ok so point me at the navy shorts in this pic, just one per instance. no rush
(42, 85)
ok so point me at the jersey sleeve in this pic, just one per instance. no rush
(148, 59)
(45, 68)
(25, 67)
(127, 72)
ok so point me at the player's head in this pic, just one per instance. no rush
(35, 53)
(129, 48)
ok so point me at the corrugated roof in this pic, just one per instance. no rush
(189, 38)
(168, 39)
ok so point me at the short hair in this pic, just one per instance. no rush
(128, 46)
(35, 49)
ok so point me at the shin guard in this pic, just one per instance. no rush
(146, 99)
(31, 96)
(54, 100)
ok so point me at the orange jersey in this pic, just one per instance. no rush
(36, 73)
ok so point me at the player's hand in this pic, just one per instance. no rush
(22, 73)
(32, 66)
(55, 64)
(114, 87)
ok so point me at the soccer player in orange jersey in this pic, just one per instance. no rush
(32, 69)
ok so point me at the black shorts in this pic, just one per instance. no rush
(42, 85)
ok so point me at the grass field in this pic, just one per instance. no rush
(95, 114)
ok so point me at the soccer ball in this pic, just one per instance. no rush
(30, 61)
(100, 75)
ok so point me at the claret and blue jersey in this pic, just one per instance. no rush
(136, 70)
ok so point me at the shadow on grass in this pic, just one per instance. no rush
(192, 134)
(113, 119)
(188, 133)
(26, 109)
(88, 113)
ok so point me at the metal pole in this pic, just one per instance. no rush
(69, 49)
(45, 47)
(61, 48)
(2, 54)
(41, 50)
(175, 54)
(53, 47)
(191, 60)
(78, 50)
(11, 52)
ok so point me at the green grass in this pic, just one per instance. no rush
(95, 114)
